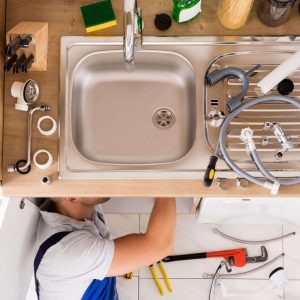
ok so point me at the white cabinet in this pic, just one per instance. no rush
(17, 240)
(249, 210)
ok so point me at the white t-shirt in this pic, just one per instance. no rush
(68, 267)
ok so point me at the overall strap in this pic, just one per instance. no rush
(52, 240)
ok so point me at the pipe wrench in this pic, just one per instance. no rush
(235, 257)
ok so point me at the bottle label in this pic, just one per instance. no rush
(190, 13)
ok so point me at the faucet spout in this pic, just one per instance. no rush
(132, 29)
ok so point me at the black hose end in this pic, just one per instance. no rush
(212, 77)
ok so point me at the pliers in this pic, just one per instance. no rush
(165, 275)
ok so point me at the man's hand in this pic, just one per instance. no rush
(139, 250)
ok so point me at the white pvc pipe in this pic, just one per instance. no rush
(285, 69)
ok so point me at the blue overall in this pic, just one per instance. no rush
(98, 290)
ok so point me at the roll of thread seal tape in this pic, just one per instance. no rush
(46, 165)
(51, 130)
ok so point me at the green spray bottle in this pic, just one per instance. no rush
(185, 10)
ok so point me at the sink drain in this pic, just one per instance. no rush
(164, 118)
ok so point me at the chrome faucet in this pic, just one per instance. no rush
(133, 29)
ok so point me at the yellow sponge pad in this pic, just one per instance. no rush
(98, 15)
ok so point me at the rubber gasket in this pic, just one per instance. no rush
(22, 161)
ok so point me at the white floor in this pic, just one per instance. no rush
(187, 278)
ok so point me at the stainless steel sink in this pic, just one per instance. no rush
(152, 121)
(141, 114)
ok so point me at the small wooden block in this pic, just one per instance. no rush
(38, 47)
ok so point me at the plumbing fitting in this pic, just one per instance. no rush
(277, 278)
(242, 183)
(275, 183)
(282, 71)
(272, 187)
(282, 137)
(279, 155)
(26, 93)
(247, 137)
(216, 117)
(265, 141)
(51, 130)
(267, 126)
(234, 239)
(217, 75)
(45, 165)
(24, 166)
(222, 183)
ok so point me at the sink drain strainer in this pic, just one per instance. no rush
(163, 118)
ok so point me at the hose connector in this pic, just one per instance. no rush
(283, 138)
(273, 187)
(247, 137)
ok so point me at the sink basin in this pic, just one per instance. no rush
(152, 120)
(144, 114)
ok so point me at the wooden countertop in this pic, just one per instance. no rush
(64, 18)
(2, 41)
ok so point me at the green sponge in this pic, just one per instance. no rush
(98, 15)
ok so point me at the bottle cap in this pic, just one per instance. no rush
(162, 21)
(285, 87)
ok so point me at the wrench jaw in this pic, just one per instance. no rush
(257, 259)
(242, 258)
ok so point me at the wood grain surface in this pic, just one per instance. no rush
(64, 18)
(2, 42)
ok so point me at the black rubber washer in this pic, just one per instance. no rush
(285, 87)
(162, 21)
(22, 161)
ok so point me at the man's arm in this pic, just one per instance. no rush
(134, 251)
